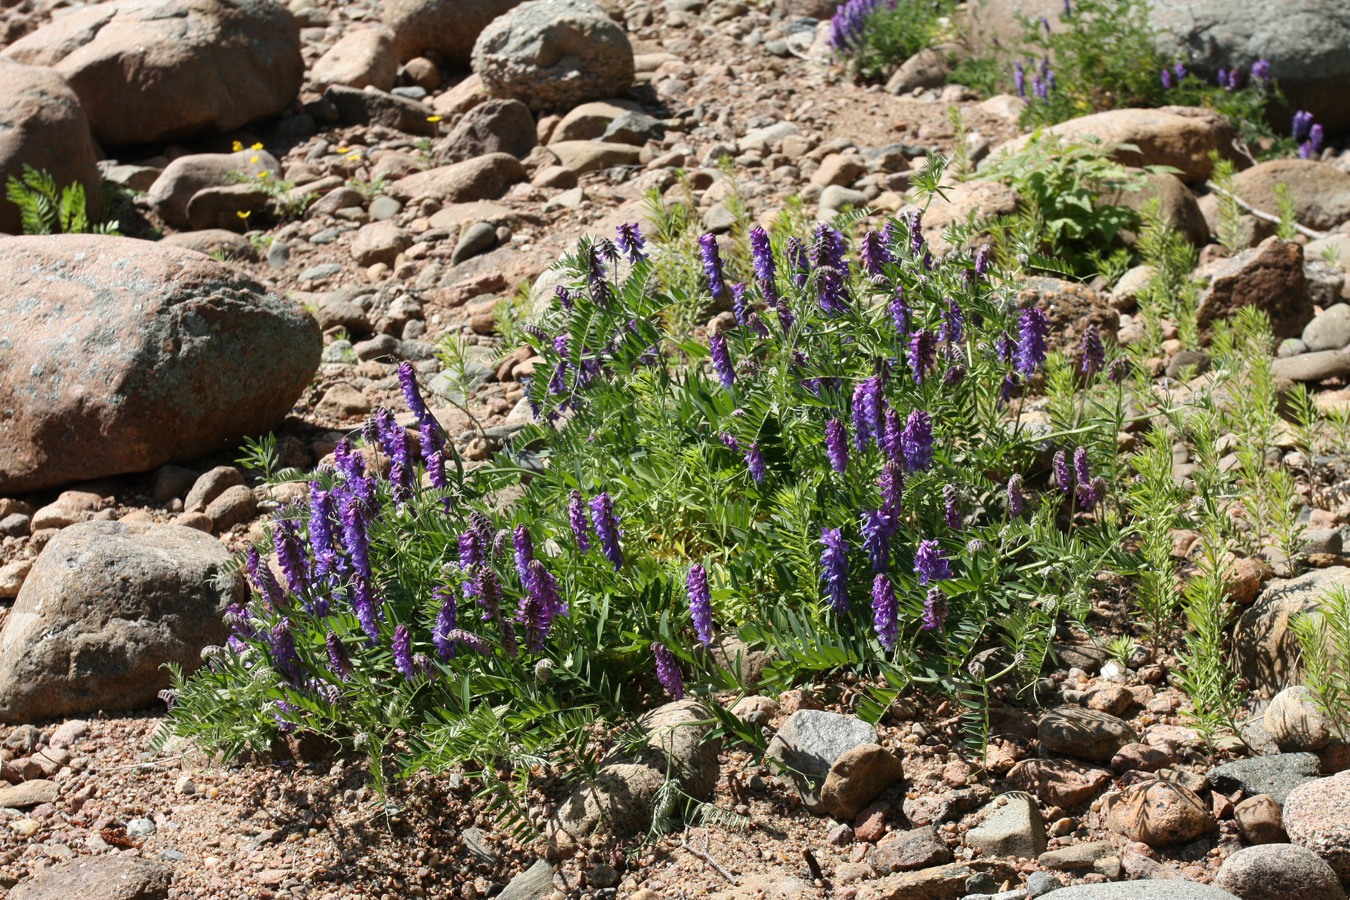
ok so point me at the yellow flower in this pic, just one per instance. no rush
(257, 146)
(433, 118)
(244, 214)
(263, 175)
(254, 159)
(342, 149)
(354, 156)
(236, 146)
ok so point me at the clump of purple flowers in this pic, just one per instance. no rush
(916, 441)
(848, 26)
(712, 264)
(700, 603)
(607, 528)
(930, 563)
(668, 671)
(834, 563)
(836, 445)
(721, 358)
(885, 618)
(1033, 330)
(1307, 134)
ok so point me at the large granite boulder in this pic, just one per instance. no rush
(444, 27)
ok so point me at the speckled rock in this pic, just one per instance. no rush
(103, 877)
(154, 70)
(1296, 721)
(1274, 775)
(1317, 816)
(121, 355)
(554, 55)
(1269, 277)
(1278, 872)
(106, 606)
(1160, 813)
(1267, 652)
(1143, 890)
(446, 28)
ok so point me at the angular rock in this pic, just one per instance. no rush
(591, 156)
(482, 178)
(106, 606)
(123, 355)
(811, 740)
(493, 126)
(1010, 826)
(42, 125)
(234, 506)
(29, 793)
(153, 70)
(1317, 816)
(1077, 857)
(1272, 775)
(534, 883)
(1144, 890)
(1160, 813)
(183, 178)
(1296, 721)
(369, 106)
(363, 56)
(856, 778)
(905, 851)
(104, 877)
(379, 242)
(589, 121)
(1059, 782)
(1083, 733)
(1071, 307)
(554, 54)
(1268, 277)
(1278, 872)
(926, 69)
(444, 28)
(1267, 652)
(946, 882)
(227, 207)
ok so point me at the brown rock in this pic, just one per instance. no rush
(947, 882)
(234, 506)
(29, 793)
(380, 242)
(1083, 733)
(986, 199)
(1296, 721)
(446, 28)
(1317, 816)
(1267, 651)
(1320, 191)
(1140, 758)
(228, 208)
(363, 56)
(1059, 782)
(856, 778)
(1071, 307)
(1109, 698)
(1261, 820)
(493, 126)
(125, 355)
(905, 851)
(482, 178)
(461, 98)
(154, 70)
(103, 877)
(1269, 277)
(591, 156)
(1160, 814)
(589, 121)
(185, 176)
(43, 125)
(839, 168)
(1179, 208)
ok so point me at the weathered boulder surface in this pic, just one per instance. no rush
(106, 606)
(155, 70)
(43, 125)
(119, 355)
(444, 27)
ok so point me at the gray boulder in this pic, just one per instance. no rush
(1143, 890)
(554, 55)
(1317, 816)
(1279, 872)
(106, 606)
(104, 877)
(121, 355)
(1275, 776)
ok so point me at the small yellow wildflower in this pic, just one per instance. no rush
(342, 149)
(253, 159)
(354, 156)
(433, 118)
(236, 146)
(264, 175)
(244, 214)
(257, 146)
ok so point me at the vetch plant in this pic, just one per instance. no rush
(876, 36)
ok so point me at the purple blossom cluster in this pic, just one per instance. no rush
(848, 26)
(1307, 134)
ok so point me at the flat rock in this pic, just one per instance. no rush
(947, 882)
(811, 740)
(1313, 366)
(1143, 890)
(28, 794)
(1059, 782)
(481, 178)
(905, 851)
(1330, 330)
(1273, 775)
(106, 606)
(361, 57)
(1083, 733)
(102, 877)
(1009, 826)
(856, 778)
(183, 178)
(122, 355)
(591, 156)
(535, 883)
(493, 126)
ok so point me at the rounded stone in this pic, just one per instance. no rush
(1083, 733)
(1278, 872)
(1296, 721)
(444, 28)
(1317, 816)
(1160, 814)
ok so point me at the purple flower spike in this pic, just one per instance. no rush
(827, 256)
(700, 603)
(260, 574)
(281, 644)
(866, 412)
(799, 262)
(916, 441)
(364, 602)
(628, 238)
(874, 253)
(834, 562)
(541, 605)
(876, 529)
(523, 545)
(1091, 355)
(885, 613)
(1080, 466)
(721, 358)
(291, 556)
(1179, 70)
(892, 484)
(934, 610)
(1303, 121)
(754, 459)
(982, 260)
(1060, 468)
(403, 660)
(1119, 370)
(953, 323)
(576, 517)
(1312, 147)
(668, 671)
(607, 528)
(951, 500)
(338, 660)
(1020, 79)
(447, 620)
(930, 563)
(900, 314)
(1166, 77)
(712, 264)
(1033, 330)
(738, 305)
(922, 354)
(1261, 70)
(891, 435)
(729, 441)
(1017, 501)
(412, 395)
(836, 445)
(761, 253)
(470, 550)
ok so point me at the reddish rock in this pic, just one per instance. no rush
(1269, 277)
(1059, 782)
(1160, 814)
(1140, 758)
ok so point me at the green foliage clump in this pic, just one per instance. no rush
(876, 36)
(47, 208)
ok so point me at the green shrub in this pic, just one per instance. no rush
(419, 616)
(876, 36)
(49, 209)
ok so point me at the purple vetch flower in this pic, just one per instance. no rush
(892, 484)
(668, 671)
(447, 620)
(1045, 24)
(564, 297)
(1033, 329)
(754, 459)
(761, 254)
(954, 375)
(1166, 77)
(876, 529)
(900, 314)
(540, 605)
(487, 590)
(403, 660)
(1017, 501)
(1080, 466)
(628, 238)
(1003, 347)
(834, 563)
(338, 660)
(785, 317)
(1312, 147)
(953, 323)
(738, 305)
(240, 620)
(323, 552)
(523, 545)
(1010, 384)
(891, 431)
(916, 238)
(412, 395)
(281, 647)
(721, 358)
(1303, 121)
(729, 441)
(607, 528)
(982, 260)
(934, 610)
(576, 517)
(836, 445)
(916, 441)
(354, 535)
(700, 603)
(922, 354)
(1179, 70)
(260, 574)
(286, 714)
(470, 550)
(1060, 468)
(1119, 370)
(930, 563)
(874, 252)
(472, 641)
(1020, 79)
(291, 555)
(712, 264)
(1097, 490)
(364, 602)
(1068, 9)
(866, 412)
(951, 500)
(1091, 354)
(827, 257)
(1039, 88)
(885, 612)
(799, 261)
(1261, 70)
(831, 290)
